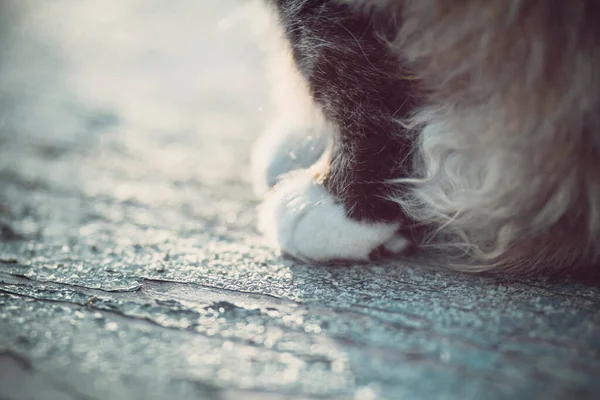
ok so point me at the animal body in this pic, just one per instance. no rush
(466, 126)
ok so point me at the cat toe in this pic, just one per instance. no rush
(306, 222)
(281, 149)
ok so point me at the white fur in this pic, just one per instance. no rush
(483, 197)
(463, 184)
(285, 147)
(301, 217)
(300, 134)
(397, 244)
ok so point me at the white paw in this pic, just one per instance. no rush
(302, 218)
(284, 147)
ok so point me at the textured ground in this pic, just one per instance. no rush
(129, 263)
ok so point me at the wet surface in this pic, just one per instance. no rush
(129, 263)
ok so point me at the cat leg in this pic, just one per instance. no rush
(298, 134)
(285, 146)
(339, 209)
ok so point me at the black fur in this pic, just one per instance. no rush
(360, 86)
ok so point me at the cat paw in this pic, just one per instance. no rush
(306, 222)
(282, 148)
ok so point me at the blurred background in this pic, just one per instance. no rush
(150, 79)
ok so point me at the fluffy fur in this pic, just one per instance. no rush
(495, 143)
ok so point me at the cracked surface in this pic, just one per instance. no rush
(130, 268)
